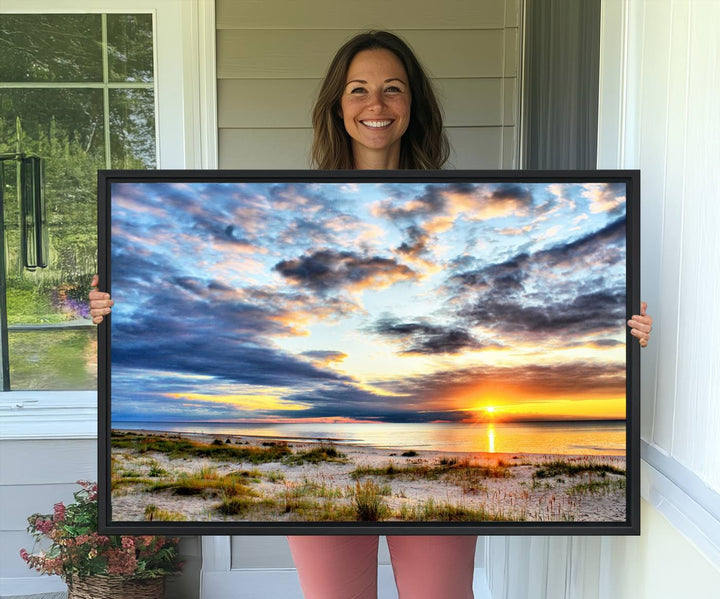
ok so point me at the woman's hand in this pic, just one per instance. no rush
(100, 302)
(641, 325)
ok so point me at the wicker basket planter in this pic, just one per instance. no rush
(116, 587)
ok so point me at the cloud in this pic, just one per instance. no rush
(571, 288)
(325, 356)
(416, 243)
(426, 338)
(587, 313)
(325, 270)
(485, 202)
(605, 197)
(528, 383)
(430, 202)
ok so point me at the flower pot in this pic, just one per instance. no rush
(116, 587)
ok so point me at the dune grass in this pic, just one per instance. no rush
(463, 472)
(323, 453)
(243, 484)
(207, 482)
(431, 510)
(597, 487)
(368, 502)
(154, 513)
(574, 468)
(178, 448)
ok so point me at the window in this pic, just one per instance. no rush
(77, 90)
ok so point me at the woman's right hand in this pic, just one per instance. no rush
(100, 302)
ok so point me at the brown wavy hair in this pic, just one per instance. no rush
(423, 146)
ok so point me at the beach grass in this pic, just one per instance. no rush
(460, 471)
(207, 482)
(180, 448)
(323, 453)
(270, 480)
(154, 513)
(574, 468)
(597, 487)
(368, 501)
(432, 510)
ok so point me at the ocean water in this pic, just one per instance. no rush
(568, 438)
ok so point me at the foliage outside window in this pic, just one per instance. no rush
(78, 91)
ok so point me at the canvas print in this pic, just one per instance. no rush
(343, 350)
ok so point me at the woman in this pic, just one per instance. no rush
(377, 110)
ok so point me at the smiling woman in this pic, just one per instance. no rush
(376, 78)
(375, 108)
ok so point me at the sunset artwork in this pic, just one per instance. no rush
(345, 351)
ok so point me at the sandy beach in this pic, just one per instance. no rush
(201, 477)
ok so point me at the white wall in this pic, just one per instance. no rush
(660, 85)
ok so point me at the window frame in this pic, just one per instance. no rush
(186, 138)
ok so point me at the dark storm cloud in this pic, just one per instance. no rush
(604, 246)
(430, 202)
(210, 338)
(503, 276)
(324, 270)
(203, 328)
(415, 243)
(587, 313)
(425, 338)
(512, 191)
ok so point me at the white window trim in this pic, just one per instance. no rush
(186, 124)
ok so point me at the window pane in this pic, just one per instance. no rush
(130, 47)
(50, 48)
(49, 117)
(53, 359)
(65, 127)
(132, 128)
(52, 344)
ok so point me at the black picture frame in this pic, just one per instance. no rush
(296, 273)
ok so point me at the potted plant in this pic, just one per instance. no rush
(95, 565)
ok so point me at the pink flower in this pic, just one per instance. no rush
(121, 562)
(24, 555)
(59, 512)
(128, 542)
(44, 526)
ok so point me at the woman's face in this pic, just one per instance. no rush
(375, 105)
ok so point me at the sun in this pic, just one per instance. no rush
(490, 409)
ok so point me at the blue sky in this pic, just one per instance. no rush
(405, 302)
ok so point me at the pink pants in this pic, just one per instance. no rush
(338, 567)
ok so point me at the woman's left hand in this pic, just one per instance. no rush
(641, 325)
